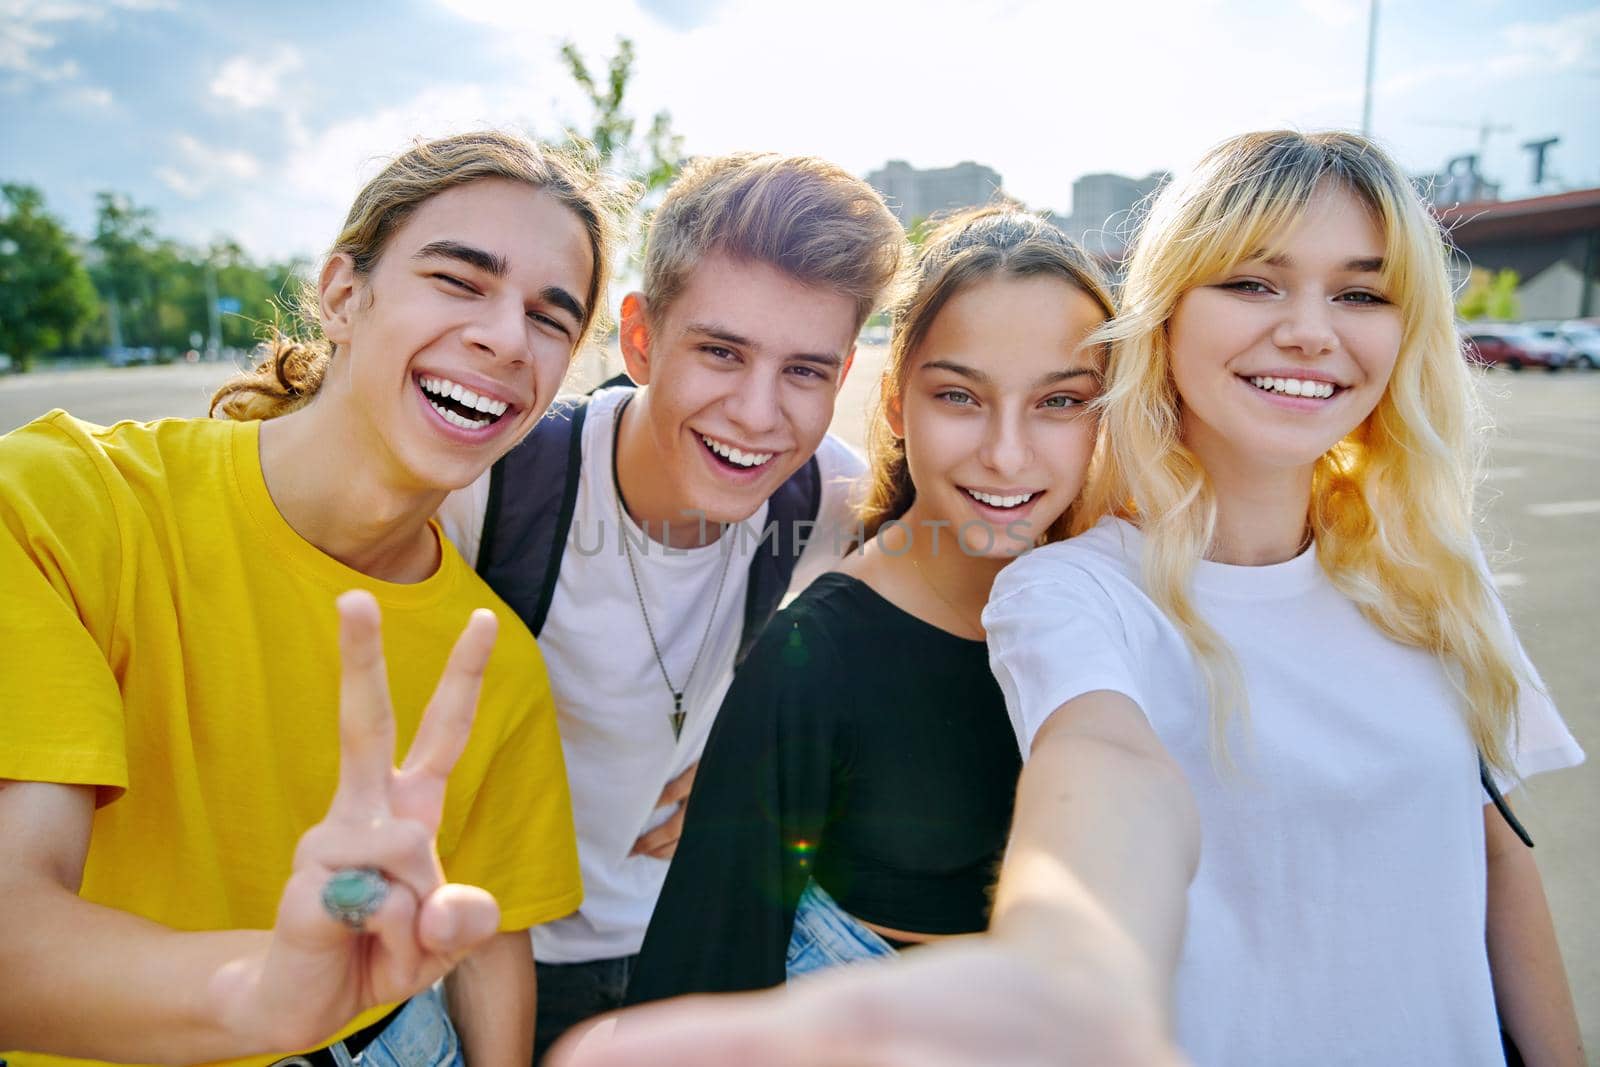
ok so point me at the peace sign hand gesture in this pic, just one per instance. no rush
(320, 972)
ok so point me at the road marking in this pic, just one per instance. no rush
(1508, 580)
(1542, 448)
(1504, 473)
(1564, 507)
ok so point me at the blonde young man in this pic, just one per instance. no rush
(646, 534)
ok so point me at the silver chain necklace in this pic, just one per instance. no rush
(678, 714)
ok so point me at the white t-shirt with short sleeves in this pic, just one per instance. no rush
(1337, 915)
(612, 706)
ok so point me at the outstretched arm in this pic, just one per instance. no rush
(1077, 966)
(1530, 983)
(101, 983)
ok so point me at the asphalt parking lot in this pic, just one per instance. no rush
(1540, 500)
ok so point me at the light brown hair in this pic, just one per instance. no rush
(960, 251)
(292, 364)
(804, 216)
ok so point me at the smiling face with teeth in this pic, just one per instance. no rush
(993, 413)
(456, 341)
(740, 373)
(1284, 355)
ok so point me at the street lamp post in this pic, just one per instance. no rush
(1372, 55)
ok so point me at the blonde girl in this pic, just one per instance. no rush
(209, 853)
(1254, 695)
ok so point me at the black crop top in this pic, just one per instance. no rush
(857, 745)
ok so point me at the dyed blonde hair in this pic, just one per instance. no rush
(1391, 504)
(292, 364)
(962, 250)
(804, 216)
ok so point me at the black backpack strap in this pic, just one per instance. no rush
(1500, 804)
(533, 491)
(791, 515)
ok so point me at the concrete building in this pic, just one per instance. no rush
(914, 194)
(1552, 242)
(1102, 210)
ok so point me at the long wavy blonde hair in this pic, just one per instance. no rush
(963, 249)
(1391, 504)
(292, 362)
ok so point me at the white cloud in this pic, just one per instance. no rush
(1338, 13)
(1559, 44)
(23, 33)
(199, 168)
(18, 43)
(250, 81)
(92, 96)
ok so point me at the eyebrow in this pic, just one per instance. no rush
(564, 300)
(495, 266)
(1357, 265)
(983, 378)
(487, 262)
(722, 333)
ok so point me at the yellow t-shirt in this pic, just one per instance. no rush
(166, 636)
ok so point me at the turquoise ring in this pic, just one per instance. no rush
(354, 894)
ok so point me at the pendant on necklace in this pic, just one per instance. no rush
(677, 716)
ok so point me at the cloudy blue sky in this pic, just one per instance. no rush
(260, 121)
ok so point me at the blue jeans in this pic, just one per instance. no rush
(421, 1035)
(825, 935)
(570, 993)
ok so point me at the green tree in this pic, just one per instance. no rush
(124, 271)
(1489, 296)
(46, 298)
(1503, 295)
(612, 136)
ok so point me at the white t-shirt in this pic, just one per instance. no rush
(1337, 915)
(613, 707)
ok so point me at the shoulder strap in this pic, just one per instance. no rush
(1500, 804)
(525, 530)
(791, 514)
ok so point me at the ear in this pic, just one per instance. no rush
(893, 411)
(844, 369)
(336, 297)
(634, 337)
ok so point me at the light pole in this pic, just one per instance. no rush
(1372, 56)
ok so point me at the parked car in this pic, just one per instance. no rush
(128, 357)
(1583, 338)
(1513, 347)
(6, 363)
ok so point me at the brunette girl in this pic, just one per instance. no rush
(856, 790)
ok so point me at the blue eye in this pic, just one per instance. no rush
(956, 397)
(1247, 285)
(1362, 296)
(1060, 402)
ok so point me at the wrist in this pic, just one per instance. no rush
(252, 1018)
(1082, 953)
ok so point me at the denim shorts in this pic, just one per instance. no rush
(420, 1036)
(825, 935)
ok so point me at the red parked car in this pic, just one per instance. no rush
(1513, 347)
